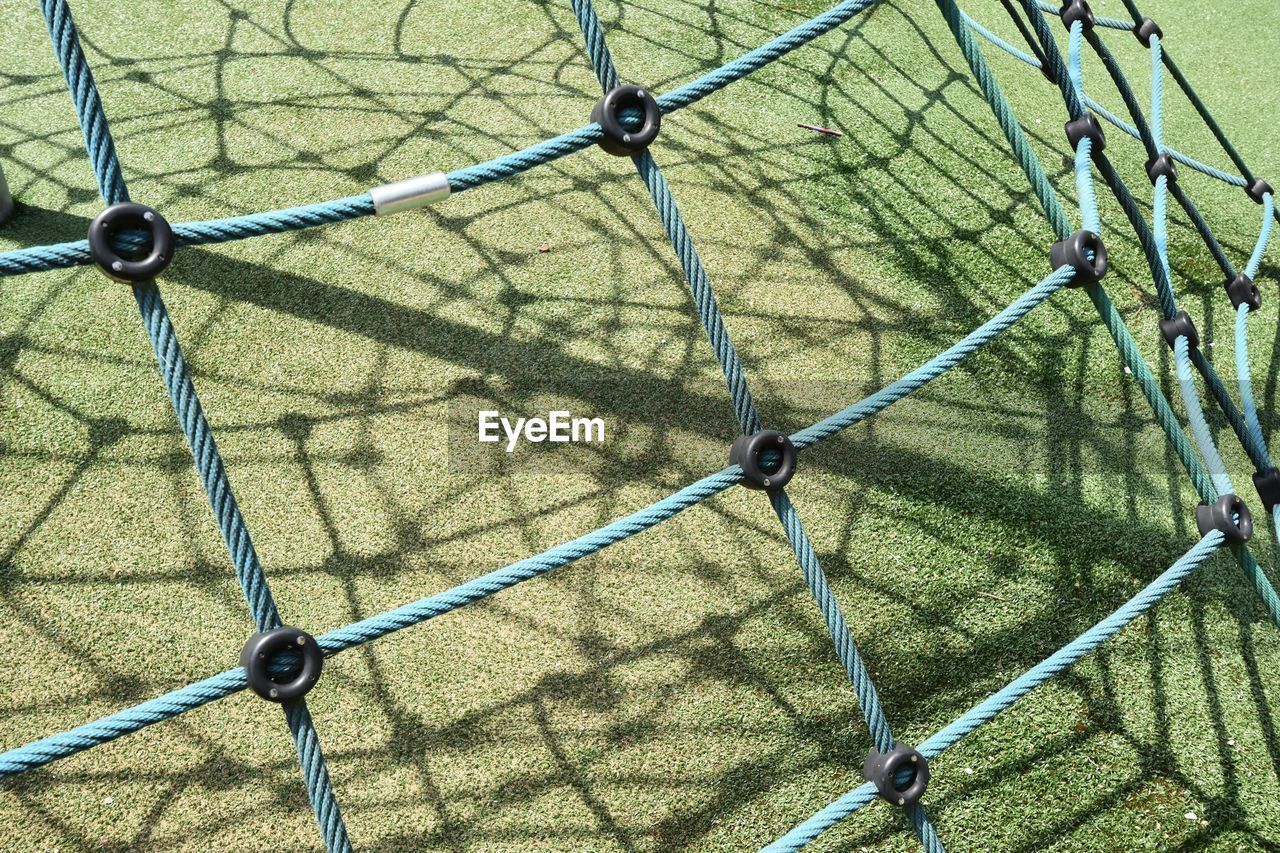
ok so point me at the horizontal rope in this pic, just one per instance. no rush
(1103, 112)
(187, 698)
(1109, 23)
(62, 255)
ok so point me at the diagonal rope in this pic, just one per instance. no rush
(186, 406)
(371, 628)
(749, 419)
(677, 232)
(1154, 241)
(1013, 132)
(985, 711)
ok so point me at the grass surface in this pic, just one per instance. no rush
(678, 689)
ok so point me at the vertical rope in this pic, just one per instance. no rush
(190, 414)
(748, 418)
(1040, 184)
(1056, 68)
(93, 120)
(677, 232)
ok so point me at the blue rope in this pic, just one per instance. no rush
(188, 698)
(935, 367)
(374, 627)
(1242, 358)
(60, 255)
(1264, 236)
(186, 406)
(1242, 371)
(1109, 23)
(677, 232)
(700, 287)
(986, 710)
(749, 419)
(1090, 219)
(93, 121)
(846, 649)
(249, 572)
(1102, 111)
(1195, 415)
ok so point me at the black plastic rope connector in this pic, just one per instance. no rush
(1076, 10)
(1268, 485)
(1243, 291)
(1086, 127)
(121, 217)
(770, 474)
(1075, 252)
(1162, 164)
(1258, 189)
(883, 768)
(1227, 514)
(618, 139)
(1145, 30)
(1179, 325)
(258, 652)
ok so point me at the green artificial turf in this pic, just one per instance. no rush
(679, 689)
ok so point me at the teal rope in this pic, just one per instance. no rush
(93, 121)
(986, 710)
(1102, 111)
(833, 616)
(677, 232)
(61, 255)
(1195, 415)
(1264, 235)
(1084, 150)
(1242, 373)
(1109, 23)
(186, 406)
(232, 681)
(1040, 184)
(935, 367)
(98, 142)
(1057, 69)
(749, 420)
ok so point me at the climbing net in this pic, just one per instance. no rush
(282, 663)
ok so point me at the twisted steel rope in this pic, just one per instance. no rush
(249, 572)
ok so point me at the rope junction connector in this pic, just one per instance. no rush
(1086, 127)
(1145, 30)
(619, 140)
(1178, 326)
(767, 459)
(410, 194)
(1268, 485)
(1258, 190)
(262, 648)
(1162, 164)
(1076, 10)
(1243, 291)
(882, 769)
(123, 216)
(1075, 251)
(1227, 514)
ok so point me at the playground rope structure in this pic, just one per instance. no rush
(1080, 262)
